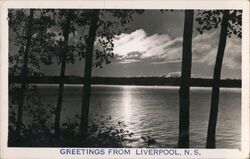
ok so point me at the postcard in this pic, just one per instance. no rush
(124, 79)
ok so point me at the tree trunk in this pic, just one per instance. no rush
(87, 76)
(66, 31)
(24, 73)
(183, 141)
(211, 133)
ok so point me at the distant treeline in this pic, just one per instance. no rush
(161, 81)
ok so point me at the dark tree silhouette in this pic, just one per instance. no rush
(28, 30)
(105, 29)
(183, 141)
(64, 50)
(230, 24)
(24, 72)
(216, 82)
(87, 73)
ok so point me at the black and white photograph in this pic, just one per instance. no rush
(125, 78)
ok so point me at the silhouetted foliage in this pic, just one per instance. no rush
(38, 120)
(211, 19)
(104, 25)
(231, 24)
(24, 71)
(39, 131)
(65, 25)
(42, 43)
(28, 28)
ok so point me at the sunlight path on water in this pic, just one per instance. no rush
(126, 103)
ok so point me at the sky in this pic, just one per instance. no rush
(153, 47)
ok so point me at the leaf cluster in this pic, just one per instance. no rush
(211, 19)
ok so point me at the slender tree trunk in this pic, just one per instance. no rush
(211, 133)
(87, 77)
(183, 141)
(66, 31)
(24, 73)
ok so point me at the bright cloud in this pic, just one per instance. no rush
(138, 41)
(158, 49)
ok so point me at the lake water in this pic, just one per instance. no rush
(154, 111)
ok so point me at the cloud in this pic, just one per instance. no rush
(156, 49)
(174, 74)
(205, 50)
(159, 49)
(233, 53)
(149, 46)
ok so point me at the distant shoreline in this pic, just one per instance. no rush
(138, 81)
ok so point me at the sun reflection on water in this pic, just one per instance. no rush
(126, 103)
